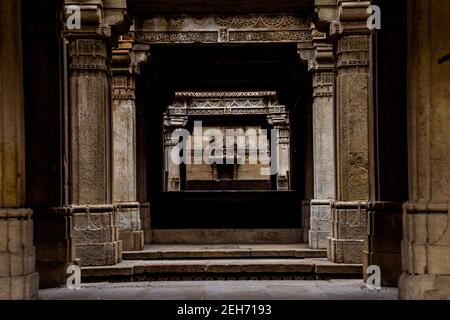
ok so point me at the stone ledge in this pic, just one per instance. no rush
(260, 268)
(157, 252)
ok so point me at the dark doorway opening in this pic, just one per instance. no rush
(200, 67)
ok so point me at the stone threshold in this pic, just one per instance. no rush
(220, 269)
(160, 252)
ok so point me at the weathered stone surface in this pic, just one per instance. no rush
(98, 254)
(382, 246)
(262, 268)
(345, 250)
(17, 260)
(420, 287)
(124, 149)
(353, 141)
(324, 125)
(132, 240)
(158, 252)
(18, 279)
(426, 240)
(96, 243)
(224, 236)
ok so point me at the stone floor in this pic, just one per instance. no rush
(226, 290)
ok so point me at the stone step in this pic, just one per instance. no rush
(180, 252)
(220, 269)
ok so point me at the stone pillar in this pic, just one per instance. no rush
(353, 116)
(323, 144)
(18, 279)
(280, 122)
(124, 150)
(139, 56)
(426, 231)
(172, 170)
(96, 235)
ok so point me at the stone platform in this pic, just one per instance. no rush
(223, 262)
(239, 251)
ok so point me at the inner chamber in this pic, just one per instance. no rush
(220, 198)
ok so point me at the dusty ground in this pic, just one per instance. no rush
(227, 290)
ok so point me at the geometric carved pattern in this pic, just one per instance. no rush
(254, 21)
(231, 28)
(225, 103)
(323, 83)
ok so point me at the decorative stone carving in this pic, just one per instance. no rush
(232, 28)
(90, 113)
(225, 103)
(353, 144)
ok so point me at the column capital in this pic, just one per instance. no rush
(123, 84)
(351, 18)
(98, 19)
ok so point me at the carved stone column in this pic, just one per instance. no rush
(426, 231)
(353, 116)
(280, 122)
(139, 56)
(18, 279)
(124, 150)
(96, 235)
(323, 143)
(173, 179)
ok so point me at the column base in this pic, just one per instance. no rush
(99, 254)
(306, 218)
(132, 240)
(20, 287)
(345, 251)
(348, 221)
(18, 279)
(54, 245)
(96, 235)
(146, 222)
(424, 287)
(382, 245)
(320, 224)
(130, 227)
(425, 251)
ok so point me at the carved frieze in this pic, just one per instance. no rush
(225, 103)
(220, 28)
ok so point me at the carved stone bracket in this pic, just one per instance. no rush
(99, 18)
(351, 18)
